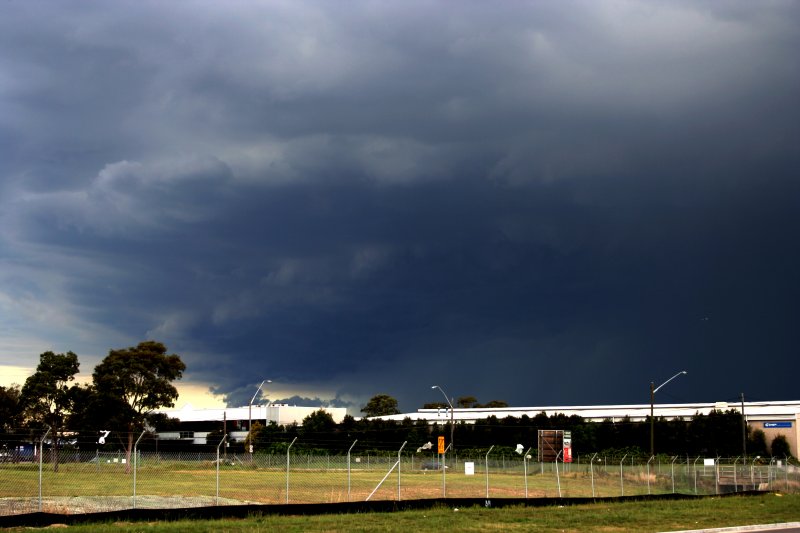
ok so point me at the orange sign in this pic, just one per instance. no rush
(441, 445)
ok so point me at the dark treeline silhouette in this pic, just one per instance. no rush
(716, 434)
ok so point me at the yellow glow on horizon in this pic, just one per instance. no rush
(198, 395)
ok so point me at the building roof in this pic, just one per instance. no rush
(773, 410)
(279, 412)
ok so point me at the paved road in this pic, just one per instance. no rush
(788, 527)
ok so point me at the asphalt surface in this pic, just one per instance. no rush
(785, 527)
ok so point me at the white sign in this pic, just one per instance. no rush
(708, 462)
(469, 469)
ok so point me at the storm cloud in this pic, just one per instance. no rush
(544, 203)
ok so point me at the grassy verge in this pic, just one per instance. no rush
(605, 517)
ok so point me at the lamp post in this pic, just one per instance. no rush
(452, 422)
(653, 391)
(250, 418)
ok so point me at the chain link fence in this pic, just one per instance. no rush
(82, 481)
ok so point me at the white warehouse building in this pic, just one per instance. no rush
(773, 418)
(196, 424)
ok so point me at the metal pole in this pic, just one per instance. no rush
(224, 438)
(621, 482)
(786, 471)
(487, 470)
(250, 419)
(653, 392)
(41, 454)
(591, 470)
(398, 468)
(648, 473)
(444, 471)
(452, 414)
(558, 478)
(652, 420)
(348, 468)
(287, 468)
(744, 431)
(136, 466)
(672, 468)
(694, 467)
(525, 469)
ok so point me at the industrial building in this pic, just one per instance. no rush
(196, 424)
(773, 418)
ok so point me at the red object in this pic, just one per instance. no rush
(567, 454)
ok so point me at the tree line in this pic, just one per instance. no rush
(129, 384)
(717, 434)
(126, 387)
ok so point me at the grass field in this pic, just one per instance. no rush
(81, 487)
(269, 485)
(605, 517)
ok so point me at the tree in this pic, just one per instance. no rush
(46, 396)
(380, 405)
(318, 422)
(467, 402)
(435, 405)
(780, 447)
(757, 444)
(496, 404)
(132, 382)
(10, 409)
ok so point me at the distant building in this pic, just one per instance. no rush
(196, 424)
(773, 418)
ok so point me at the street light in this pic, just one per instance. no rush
(452, 423)
(250, 417)
(653, 391)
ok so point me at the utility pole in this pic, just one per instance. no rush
(652, 420)
(744, 431)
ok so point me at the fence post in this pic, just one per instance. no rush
(224, 438)
(287, 468)
(672, 469)
(348, 468)
(621, 482)
(648, 473)
(591, 471)
(735, 484)
(41, 454)
(525, 469)
(558, 477)
(135, 466)
(395, 465)
(398, 468)
(444, 471)
(786, 471)
(694, 466)
(487, 470)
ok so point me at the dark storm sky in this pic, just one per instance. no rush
(540, 202)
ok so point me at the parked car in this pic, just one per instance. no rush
(433, 465)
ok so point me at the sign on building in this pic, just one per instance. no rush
(777, 424)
